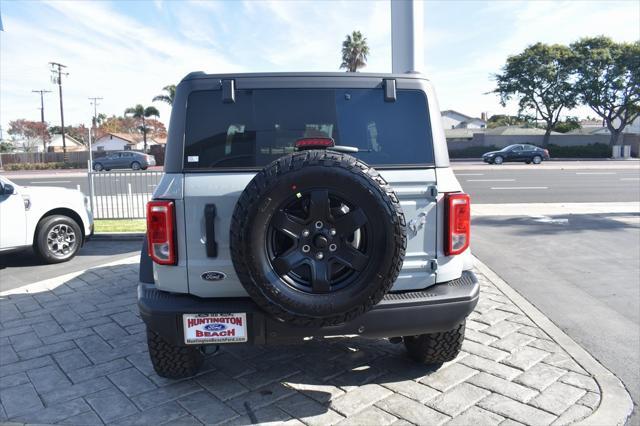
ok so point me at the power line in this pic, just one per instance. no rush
(44, 127)
(56, 77)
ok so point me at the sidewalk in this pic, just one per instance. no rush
(73, 351)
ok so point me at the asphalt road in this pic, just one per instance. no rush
(104, 184)
(21, 268)
(594, 181)
(531, 185)
(583, 272)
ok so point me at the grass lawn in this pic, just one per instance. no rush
(119, 225)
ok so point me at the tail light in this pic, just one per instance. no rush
(458, 223)
(160, 232)
(313, 143)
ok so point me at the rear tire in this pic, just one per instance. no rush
(436, 348)
(170, 361)
(537, 159)
(135, 165)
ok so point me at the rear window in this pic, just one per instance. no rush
(262, 125)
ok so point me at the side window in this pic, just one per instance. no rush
(516, 148)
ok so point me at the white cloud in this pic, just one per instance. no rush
(128, 60)
(545, 21)
(107, 54)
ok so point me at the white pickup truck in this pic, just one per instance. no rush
(54, 221)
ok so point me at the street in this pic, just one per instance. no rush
(581, 270)
(586, 181)
(24, 267)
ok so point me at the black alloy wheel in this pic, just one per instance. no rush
(317, 238)
(318, 242)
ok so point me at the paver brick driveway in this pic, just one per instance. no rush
(76, 354)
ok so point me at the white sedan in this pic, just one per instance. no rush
(54, 221)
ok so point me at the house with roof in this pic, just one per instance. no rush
(115, 142)
(72, 144)
(125, 142)
(456, 120)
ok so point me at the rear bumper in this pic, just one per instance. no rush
(438, 308)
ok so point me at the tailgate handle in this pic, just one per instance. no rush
(210, 231)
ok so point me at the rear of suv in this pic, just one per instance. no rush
(297, 206)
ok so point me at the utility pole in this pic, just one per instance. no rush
(57, 78)
(407, 36)
(94, 127)
(44, 127)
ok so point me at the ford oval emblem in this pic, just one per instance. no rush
(215, 327)
(213, 276)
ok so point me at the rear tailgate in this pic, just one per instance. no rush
(413, 188)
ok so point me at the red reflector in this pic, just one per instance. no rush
(458, 221)
(310, 143)
(160, 232)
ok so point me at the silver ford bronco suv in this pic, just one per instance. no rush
(304, 205)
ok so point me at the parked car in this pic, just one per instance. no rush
(54, 221)
(301, 205)
(522, 153)
(124, 160)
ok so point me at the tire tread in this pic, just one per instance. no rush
(436, 348)
(173, 362)
(366, 175)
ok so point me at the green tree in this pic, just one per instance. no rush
(569, 124)
(539, 78)
(354, 52)
(168, 96)
(608, 80)
(140, 113)
(499, 120)
(6, 147)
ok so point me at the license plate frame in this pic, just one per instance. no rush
(215, 328)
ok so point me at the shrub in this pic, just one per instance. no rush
(42, 166)
(595, 150)
(471, 152)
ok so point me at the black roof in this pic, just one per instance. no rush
(197, 75)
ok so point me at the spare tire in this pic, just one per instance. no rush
(317, 238)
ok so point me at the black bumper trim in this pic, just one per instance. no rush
(440, 307)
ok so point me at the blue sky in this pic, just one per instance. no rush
(126, 51)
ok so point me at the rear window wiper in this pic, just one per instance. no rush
(344, 148)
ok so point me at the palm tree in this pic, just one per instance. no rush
(140, 113)
(354, 52)
(169, 97)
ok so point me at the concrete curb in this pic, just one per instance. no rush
(615, 402)
(118, 236)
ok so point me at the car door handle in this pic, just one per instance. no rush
(210, 231)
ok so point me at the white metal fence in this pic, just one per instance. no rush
(121, 194)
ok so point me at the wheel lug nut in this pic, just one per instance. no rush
(305, 233)
(332, 232)
(319, 256)
(319, 224)
(306, 248)
(333, 247)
